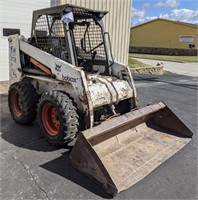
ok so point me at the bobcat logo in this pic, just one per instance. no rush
(58, 67)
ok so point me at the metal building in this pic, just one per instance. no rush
(162, 36)
(116, 22)
(15, 17)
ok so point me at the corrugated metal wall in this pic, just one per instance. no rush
(117, 22)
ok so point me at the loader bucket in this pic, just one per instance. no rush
(120, 152)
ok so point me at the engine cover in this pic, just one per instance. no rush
(105, 90)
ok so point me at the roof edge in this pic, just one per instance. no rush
(68, 8)
(175, 22)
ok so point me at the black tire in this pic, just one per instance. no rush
(22, 102)
(57, 118)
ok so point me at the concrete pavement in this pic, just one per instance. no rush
(189, 69)
(4, 85)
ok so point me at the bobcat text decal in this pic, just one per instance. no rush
(70, 79)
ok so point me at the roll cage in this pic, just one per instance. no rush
(80, 41)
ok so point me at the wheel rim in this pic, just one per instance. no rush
(50, 119)
(16, 104)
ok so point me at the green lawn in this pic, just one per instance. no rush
(166, 57)
(134, 63)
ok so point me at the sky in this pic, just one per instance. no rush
(177, 10)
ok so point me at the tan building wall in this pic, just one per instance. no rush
(116, 22)
(162, 33)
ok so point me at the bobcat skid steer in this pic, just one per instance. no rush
(65, 76)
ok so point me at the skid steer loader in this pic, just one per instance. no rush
(65, 76)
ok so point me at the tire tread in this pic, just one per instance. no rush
(68, 113)
(29, 100)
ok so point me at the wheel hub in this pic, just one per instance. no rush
(50, 119)
(17, 106)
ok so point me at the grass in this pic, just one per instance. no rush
(134, 63)
(173, 58)
(166, 72)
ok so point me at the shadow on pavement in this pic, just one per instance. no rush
(24, 136)
(63, 167)
(28, 137)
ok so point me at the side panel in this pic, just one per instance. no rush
(63, 71)
(15, 72)
(45, 84)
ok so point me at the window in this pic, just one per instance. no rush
(191, 46)
(10, 31)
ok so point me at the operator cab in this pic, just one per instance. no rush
(75, 35)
